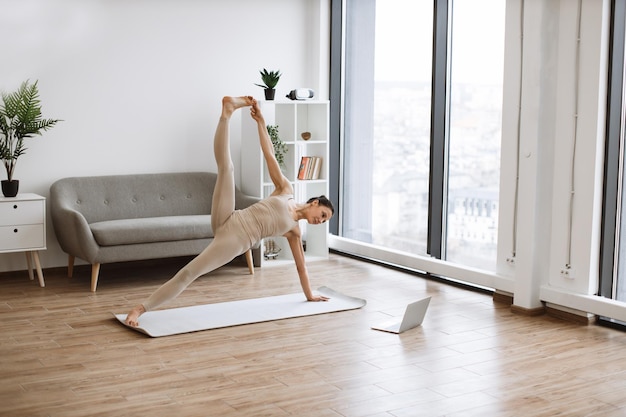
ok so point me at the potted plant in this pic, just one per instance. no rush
(270, 79)
(280, 148)
(20, 118)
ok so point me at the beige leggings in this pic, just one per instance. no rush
(227, 242)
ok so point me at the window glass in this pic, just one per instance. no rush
(476, 76)
(387, 123)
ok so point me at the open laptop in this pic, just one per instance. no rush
(413, 317)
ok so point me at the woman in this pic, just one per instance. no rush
(238, 230)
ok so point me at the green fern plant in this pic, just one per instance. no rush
(280, 147)
(20, 118)
(269, 78)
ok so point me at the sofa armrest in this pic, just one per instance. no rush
(70, 227)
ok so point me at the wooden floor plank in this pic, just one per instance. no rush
(63, 354)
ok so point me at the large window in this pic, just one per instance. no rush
(387, 123)
(422, 99)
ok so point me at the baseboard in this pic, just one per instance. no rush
(507, 299)
(84, 268)
(24, 272)
(574, 316)
(559, 312)
(503, 298)
(537, 311)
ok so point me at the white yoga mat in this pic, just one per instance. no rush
(234, 313)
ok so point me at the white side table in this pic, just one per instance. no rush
(23, 228)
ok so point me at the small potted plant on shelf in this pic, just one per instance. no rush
(270, 79)
(20, 118)
(280, 147)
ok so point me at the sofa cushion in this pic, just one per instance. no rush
(152, 229)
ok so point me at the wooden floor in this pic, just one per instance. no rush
(62, 353)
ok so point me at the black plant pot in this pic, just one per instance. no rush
(270, 93)
(10, 188)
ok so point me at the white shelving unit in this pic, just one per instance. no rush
(292, 118)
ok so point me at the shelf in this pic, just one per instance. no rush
(292, 118)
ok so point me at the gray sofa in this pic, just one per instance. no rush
(117, 218)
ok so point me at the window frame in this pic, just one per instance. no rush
(612, 172)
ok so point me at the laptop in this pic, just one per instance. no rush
(413, 317)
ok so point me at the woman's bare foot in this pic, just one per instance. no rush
(133, 315)
(230, 104)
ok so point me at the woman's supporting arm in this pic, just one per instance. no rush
(295, 244)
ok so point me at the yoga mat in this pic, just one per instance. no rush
(235, 313)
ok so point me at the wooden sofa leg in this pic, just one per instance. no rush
(95, 271)
(250, 261)
(70, 266)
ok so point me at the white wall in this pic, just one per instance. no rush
(561, 141)
(138, 83)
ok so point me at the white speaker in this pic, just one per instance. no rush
(301, 94)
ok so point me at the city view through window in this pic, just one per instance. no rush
(387, 163)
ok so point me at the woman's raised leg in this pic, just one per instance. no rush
(224, 194)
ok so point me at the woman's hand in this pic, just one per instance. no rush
(317, 298)
(255, 112)
(133, 315)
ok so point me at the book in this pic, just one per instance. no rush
(310, 168)
(305, 161)
(317, 168)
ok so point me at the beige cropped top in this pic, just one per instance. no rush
(269, 217)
